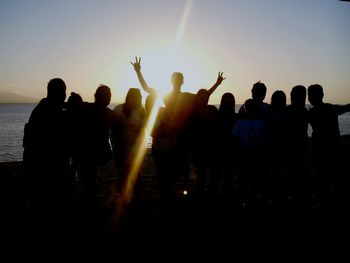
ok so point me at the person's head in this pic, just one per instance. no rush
(259, 91)
(298, 96)
(74, 101)
(227, 102)
(278, 100)
(133, 98)
(202, 99)
(103, 95)
(56, 91)
(177, 79)
(315, 94)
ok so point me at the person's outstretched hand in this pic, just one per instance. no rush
(136, 64)
(220, 78)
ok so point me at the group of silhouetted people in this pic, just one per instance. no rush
(249, 154)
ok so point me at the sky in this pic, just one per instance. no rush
(91, 42)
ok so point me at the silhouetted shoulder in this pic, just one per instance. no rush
(264, 107)
(186, 98)
(212, 108)
(118, 108)
(118, 111)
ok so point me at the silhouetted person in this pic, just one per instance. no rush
(129, 138)
(326, 148)
(94, 147)
(164, 149)
(261, 109)
(181, 104)
(250, 131)
(203, 138)
(277, 132)
(258, 95)
(74, 108)
(46, 157)
(228, 146)
(297, 120)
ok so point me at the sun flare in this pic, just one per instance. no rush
(158, 64)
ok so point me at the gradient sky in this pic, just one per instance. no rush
(281, 43)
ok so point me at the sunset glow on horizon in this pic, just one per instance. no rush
(91, 42)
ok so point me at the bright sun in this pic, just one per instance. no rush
(159, 62)
(157, 66)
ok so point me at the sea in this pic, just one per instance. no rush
(14, 116)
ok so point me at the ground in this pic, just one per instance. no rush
(184, 229)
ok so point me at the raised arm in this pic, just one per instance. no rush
(219, 80)
(137, 68)
(343, 109)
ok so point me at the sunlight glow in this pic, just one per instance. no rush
(128, 188)
(160, 64)
(162, 58)
(152, 118)
(183, 22)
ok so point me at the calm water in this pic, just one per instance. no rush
(12, 120)
(14, 116)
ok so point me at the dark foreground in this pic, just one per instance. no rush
(182, 230)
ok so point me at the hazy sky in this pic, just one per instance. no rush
(281, 43)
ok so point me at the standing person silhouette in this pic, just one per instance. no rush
(74, 109)
(128, 138)
(227, 155)
(259, 111)
(250, 131)
(181, 104)
(46, 157)
(164, 147)
(326, 148)
(276, 145)
(94, 148)
(203, 138)
(297, 121)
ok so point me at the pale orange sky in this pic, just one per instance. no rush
(281, 43)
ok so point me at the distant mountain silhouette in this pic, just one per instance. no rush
(10, 97)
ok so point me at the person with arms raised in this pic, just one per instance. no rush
(181, 104)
